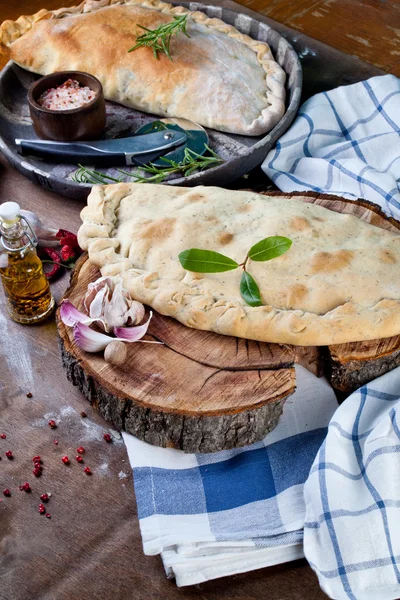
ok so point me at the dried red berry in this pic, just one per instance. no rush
(65, 460)
(38, 465)
(56, 442)
(48, 516)
(83, 414)
(87, 471)
(36, 459)
(107, 437)
(3, 436)
(7, 492)
(79, 459)
(80, 450)
(52, 424)
(44, 497)
(42, 509)
(9, 454)
(37, 472)
(25, 487)
(29, 395)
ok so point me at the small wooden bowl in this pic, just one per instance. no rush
(84, 123)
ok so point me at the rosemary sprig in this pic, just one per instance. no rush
(160, 39)
(191, 162)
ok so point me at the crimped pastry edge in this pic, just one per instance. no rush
(346, 323)
(275, 76)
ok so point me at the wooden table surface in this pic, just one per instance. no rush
(91, 546)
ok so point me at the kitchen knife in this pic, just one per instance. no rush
(140, 149)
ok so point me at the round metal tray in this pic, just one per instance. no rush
(240, 153)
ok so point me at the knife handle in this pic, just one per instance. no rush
(69, 152)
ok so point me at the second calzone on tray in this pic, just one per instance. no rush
(218, 77)
(338, 282)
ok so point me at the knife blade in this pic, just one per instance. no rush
(122, 151)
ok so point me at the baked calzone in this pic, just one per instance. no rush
(339, 281)
(218, 77)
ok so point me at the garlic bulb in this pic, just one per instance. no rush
(108, 301)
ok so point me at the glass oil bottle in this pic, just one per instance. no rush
(26, 288)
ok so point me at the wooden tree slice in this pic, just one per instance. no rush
(197, 391)
(203, 392)
(352, 365)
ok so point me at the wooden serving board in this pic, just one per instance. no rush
(204, 392)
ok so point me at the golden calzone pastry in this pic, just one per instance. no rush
(218, 77)
(339, 281)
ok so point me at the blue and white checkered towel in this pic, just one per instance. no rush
(231, 512)
(352, 529)
(211, 515)
(346, 142)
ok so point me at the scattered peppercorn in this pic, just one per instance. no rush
(7, 492)
(83, 415)
(65, 460)
(36, 459)
(3, 436)
(9, 455)
(25, 487)
(29, 395)
(52, 424)
(44, 497)
(42, 509)
(48, 516)
(56, 442)
(37, 472)
(79, 458)
(87, 471)
(80, 450)
(108, 438)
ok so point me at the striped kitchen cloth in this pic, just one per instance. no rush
(212, 515)
(345, 142)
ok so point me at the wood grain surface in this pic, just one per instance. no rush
(195, 391)
(91, 547)
(368, 29)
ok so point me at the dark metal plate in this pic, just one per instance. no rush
(241, 153)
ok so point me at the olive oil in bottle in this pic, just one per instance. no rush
(26, 288)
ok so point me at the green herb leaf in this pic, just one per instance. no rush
(206, 261)
(191, 162)
(249, 290)
(270, 247)
(160, 39)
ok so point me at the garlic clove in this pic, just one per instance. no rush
(95, 287)
(115, 311)
(135, 313)
(70, 315)
(115, 353)
(46, 235)
(133, 334)
(90, 340)
(96, 307)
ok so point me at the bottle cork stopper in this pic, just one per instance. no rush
(9, 211)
